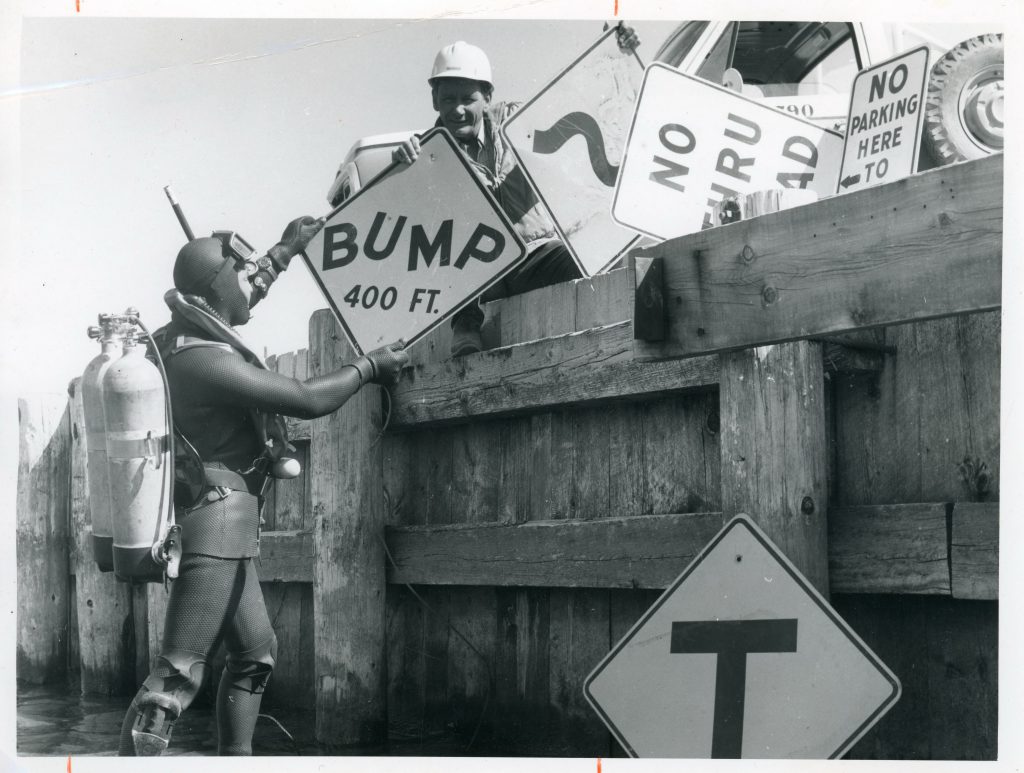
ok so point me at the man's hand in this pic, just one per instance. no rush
(407, 152)
(297, 235)
(626, 38)
(382, 366)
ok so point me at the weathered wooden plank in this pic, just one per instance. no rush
(889, 549)
(632, 552)
(603, 299)
(974, 550)
(578, 636)
(406, 696)
(923, 247)
(872, 549)
(542, 313)
(348, 569)
(901, 436)
(475, 498)
(774, 453)
(571, 369)
(289, 605)
(944, 652)
(681, 455)
(103, 606)
(154, 617)
(285, 556)
(43, 519)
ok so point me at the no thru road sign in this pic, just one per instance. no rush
(883, 131)
(412, 248)
(692, 144)
(741, 657)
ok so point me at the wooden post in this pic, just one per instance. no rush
(774, 463)
(348, 547)
(43, 503)
(103, 605)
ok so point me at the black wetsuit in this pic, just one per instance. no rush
(217, 597)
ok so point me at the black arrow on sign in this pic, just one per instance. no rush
(850, 180)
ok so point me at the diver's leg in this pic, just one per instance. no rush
(252, 649)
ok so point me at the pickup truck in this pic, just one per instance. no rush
(806, 68)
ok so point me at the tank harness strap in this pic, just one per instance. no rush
(218, 476)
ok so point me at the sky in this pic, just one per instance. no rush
(247, 120)
(103, 105)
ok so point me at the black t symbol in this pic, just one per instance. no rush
(732, 640)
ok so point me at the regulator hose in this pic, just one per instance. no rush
(168, 415)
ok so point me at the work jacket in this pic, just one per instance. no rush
(498, 170)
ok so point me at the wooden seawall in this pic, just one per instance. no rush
(461, 553)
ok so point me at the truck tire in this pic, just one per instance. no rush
(963, 116)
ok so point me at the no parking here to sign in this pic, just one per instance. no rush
(883, 132)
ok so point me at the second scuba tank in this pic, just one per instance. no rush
(110, 333)
(137, 452)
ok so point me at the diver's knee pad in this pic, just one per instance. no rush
(250, 671)
(169, 689)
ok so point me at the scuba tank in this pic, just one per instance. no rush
(111, 334)
(138, 453)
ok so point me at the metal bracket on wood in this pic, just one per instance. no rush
(649, 318)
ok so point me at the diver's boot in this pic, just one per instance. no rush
(151, 732)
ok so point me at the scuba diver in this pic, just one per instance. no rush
(229, 440)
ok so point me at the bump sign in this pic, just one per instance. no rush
(412, 248)
(883, 131)
(569, 139)
(693, 144)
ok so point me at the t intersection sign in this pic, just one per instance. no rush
(741, 658)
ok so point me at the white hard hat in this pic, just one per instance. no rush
(461, 60)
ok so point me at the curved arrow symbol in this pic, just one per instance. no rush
(565, 128)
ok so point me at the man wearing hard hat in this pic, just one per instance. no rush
(461, 88)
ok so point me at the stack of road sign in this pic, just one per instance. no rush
(397, 259)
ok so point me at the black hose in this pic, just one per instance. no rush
(168, 413)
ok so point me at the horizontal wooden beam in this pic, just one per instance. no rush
(974, 550)
(926, 246)
(889, 549)
(646, 551)
(574, 369)
(286, 556)
(872, 549)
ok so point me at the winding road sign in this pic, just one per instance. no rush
(569, 141)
